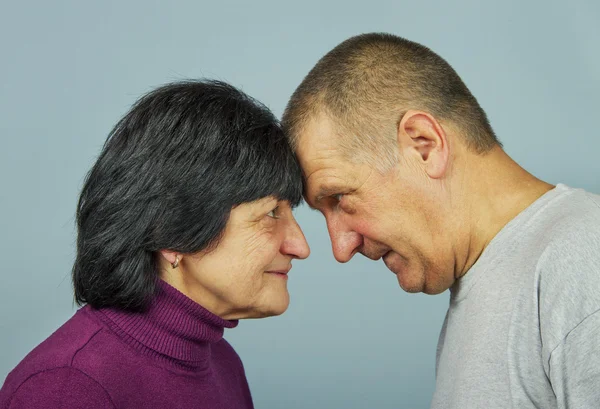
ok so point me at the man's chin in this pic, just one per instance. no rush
(415, 280)
(407, 278)
(410, 286)
(395, 263)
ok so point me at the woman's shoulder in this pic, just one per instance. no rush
(50, 364)
(60, 348)
(56, 387)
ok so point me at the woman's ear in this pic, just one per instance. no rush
(172, 257)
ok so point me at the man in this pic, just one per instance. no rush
(402, 161)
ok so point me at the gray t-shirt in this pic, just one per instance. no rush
(523, 326)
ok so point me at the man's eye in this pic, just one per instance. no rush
(337, 197)
(274, 213)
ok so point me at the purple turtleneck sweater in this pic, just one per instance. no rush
(171, 356)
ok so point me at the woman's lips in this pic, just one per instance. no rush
(279, 273)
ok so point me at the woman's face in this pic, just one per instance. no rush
(246, 274)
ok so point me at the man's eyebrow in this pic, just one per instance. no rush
(325, 191)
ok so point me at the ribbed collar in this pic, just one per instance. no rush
(173, 329)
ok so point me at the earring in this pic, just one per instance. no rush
(176, 262)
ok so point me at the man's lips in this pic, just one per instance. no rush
(374, 256)
(387, 260)
(387, 254)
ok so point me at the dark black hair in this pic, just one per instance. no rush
(167, 178)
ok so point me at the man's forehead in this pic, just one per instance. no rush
(323, 164)
(317, 143)
(318, 129)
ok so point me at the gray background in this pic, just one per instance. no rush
(351, 338)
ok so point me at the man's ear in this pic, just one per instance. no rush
(422, 138)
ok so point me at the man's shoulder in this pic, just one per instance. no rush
(567, 224)
(593, 197)
(568, 269)
(570, 212)
(571, 234)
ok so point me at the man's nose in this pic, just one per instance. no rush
(344, 241)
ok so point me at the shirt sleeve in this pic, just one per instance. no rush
(64, 387)
(575, 366)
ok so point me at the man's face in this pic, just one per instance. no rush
(394, 216)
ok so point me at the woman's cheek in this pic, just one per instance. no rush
(259, 240)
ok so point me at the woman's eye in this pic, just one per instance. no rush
(274, 213)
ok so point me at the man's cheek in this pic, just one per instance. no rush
(366, 228)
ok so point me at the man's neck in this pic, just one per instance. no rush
(495, 190)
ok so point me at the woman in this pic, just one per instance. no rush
(185, 225)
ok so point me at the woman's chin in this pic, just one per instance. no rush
(277, 307)
(275, 304)
(271, 307)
